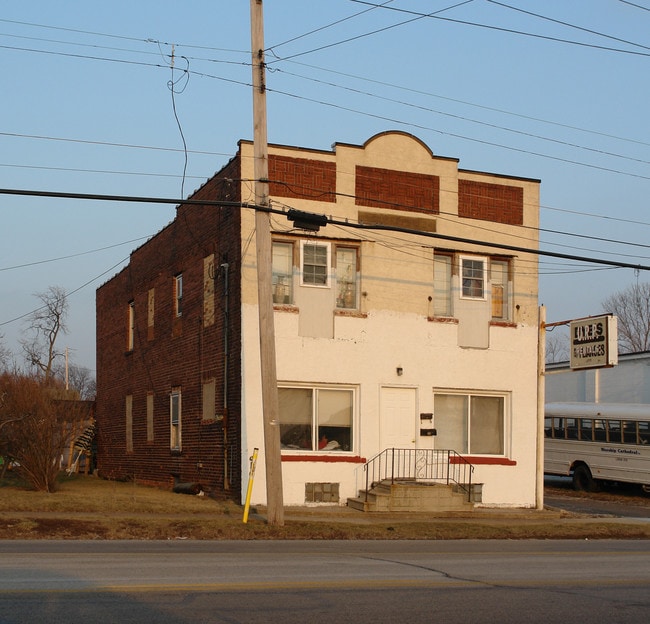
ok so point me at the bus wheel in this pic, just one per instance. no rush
(582, 479)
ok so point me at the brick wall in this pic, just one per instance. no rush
(400, 190)
(174, 352)
(302, 178)
(491, 202)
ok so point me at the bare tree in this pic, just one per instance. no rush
(44, 327)
(36, 427)
(5, 354)
(81, 380)
(557, 347)
(632, 307)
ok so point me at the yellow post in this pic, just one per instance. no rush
(251, 476)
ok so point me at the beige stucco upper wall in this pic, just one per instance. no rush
(409, 275)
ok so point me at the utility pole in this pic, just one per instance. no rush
(270, 407)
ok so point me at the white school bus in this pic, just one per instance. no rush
(598, 442)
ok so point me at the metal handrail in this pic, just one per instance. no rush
(421, 465)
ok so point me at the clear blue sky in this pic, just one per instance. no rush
(86, 107)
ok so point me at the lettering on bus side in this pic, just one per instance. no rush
(624, 451)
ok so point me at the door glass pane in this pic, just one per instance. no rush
(314, 267)
(472, 278)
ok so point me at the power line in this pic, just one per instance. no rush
(473, 104)
(508, 30)
(75, 255)
(638, 6)
(124, 37)
(468, 119)
(419, 16)
(321, 28)
(556, 21)
(329, 220)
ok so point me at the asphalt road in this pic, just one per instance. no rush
(620, 502)
(325, 581)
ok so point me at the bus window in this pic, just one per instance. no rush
(558, 427)
(572, 428)
(629, 432)
(548, 429)
(586, 429)
(613, 431)
(644, 432)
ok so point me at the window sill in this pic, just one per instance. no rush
(286, 307)
(350, 313)
(175, 452)
(443, 319)
(483, 460)
(502, 324)
(324, 458)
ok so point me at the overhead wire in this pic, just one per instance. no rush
(467, 119)
(508, 30)
(378, 6)
(330, 220)
(563, 23)
(368, 34)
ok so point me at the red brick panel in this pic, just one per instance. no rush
(400, 190)
(491, 202)
(302, 178)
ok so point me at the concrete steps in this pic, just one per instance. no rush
(411, 496)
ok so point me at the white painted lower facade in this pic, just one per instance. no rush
(365, 355)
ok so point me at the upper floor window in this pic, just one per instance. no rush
(473, 277)
(315, 262)
(346, 277)
(130, 336)
(178, 294)
(282, 286)
(442, 285)
(175, 419)
(500, 292)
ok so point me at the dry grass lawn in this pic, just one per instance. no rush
(91, 508)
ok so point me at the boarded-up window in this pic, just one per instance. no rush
(208, 290)
(129, 423)
(150, 428)
(209, 407)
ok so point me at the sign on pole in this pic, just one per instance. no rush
(594, 342)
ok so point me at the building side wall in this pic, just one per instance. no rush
(174, 352)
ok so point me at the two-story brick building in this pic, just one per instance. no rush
(426, 313)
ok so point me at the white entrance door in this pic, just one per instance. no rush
(398, 411)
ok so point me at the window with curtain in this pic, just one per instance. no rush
(346, 277)
(282, 285)
(499, 270)
(175, 419)
(316, 418)
(442, 285)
